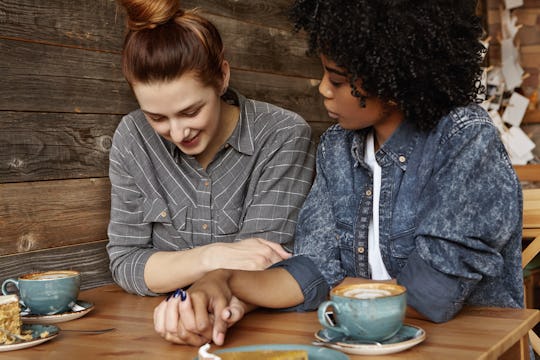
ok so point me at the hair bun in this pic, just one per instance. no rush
(144, 14)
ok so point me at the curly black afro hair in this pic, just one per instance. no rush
(425, 55)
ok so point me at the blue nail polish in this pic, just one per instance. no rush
(183, 295)
(177, 293)
(168, 296)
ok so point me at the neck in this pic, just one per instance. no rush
(386, 127)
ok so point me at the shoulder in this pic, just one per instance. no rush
(467, 121)
(273, 117)
(336, 137)
(133, 129)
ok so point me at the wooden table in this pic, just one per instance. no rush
(476, 333)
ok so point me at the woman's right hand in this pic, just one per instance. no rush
(200, 315)
(248, 254)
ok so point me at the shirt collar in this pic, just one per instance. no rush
(242, 138)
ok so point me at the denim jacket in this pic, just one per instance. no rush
(450, 216)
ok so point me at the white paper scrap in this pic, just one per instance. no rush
(515, 110)
(512, 4)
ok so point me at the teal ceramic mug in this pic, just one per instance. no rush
(369, 311)
(46, 292)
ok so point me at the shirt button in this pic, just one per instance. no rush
(360, 250)
(163, 214)
(368, 192)
(226, 146)
(402, 159)
(205, 226)
(206, 183)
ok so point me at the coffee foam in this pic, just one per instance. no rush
(366, 293)
(50, 275)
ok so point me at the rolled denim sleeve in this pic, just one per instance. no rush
(307, 275)
(469, 222)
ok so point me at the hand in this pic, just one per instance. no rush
(190, 317)
(168, 324)
(248, 254)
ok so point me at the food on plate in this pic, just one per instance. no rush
(253, 355)
(10, 319)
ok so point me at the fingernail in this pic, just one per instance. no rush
(168, 296)
(181, 293)
(228, 315)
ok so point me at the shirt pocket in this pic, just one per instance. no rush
(228, 220)
(345, 238)
(157, 211)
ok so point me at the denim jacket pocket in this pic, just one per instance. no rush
(402, 243)
(228, 220)
(345, 238)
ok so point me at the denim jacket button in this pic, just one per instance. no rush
(360, 250)
(368, 192)
(402, 159)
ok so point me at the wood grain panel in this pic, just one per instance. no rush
(297, 94)
(271, 13)
(85, 24)
(98, 26)
(46, 146)
(90, 259)
(63, 80)
(47, 214)
(264, 49)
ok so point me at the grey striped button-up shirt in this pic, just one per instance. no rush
(163, 200)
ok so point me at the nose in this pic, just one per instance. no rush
(324, 88)
(178, 131)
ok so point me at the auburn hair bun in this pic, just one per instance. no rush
(144, 14)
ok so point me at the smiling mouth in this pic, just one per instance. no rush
(191, 140)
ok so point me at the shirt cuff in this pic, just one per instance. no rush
(435, 295)
(314, 287)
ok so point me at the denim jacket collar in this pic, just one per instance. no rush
(395, 150)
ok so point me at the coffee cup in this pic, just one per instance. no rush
(367, 311)
(46, 292)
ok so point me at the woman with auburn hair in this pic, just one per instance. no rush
(413, 183)
(202, 177)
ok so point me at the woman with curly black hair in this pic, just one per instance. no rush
(413, 184)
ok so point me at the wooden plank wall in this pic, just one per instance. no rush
(528, 40)
(62, 95)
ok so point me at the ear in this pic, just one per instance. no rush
(226, 73)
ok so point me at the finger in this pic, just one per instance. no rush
(172, 312)
(186, 312)
(278, 249)
(159, 318)
(220, 326)
(188, 338)
(201, 308)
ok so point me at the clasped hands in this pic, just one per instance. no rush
(201, 315)
(208, 308)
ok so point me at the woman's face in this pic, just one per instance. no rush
(183, 111)
(345, 108)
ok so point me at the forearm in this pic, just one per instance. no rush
(168, 270)
(272, 288)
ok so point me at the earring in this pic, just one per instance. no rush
(392, 103)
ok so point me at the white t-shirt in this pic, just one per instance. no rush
(378, 270)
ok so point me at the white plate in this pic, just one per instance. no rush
(80, 309)
(407, 337)
(314, 353)
(37, 330)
